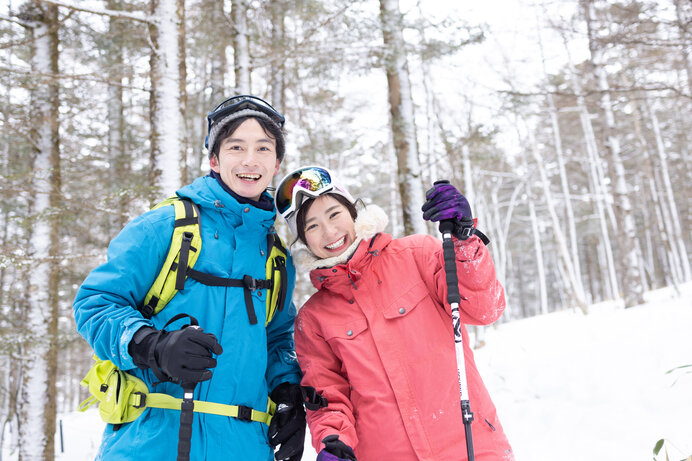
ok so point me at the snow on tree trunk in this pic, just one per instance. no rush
(116, 121)
(278, 68)
(166, 104)
(683, 23)
(402, 118)
(678, 240)
(599, 193)
(659, 215)
(540, 265)
(632, 288)
(241, 46)
(571, 275)
(37, 393)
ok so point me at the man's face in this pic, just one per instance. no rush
(247, 160)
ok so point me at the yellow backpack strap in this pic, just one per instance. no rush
(276, 274)
(168, 402)
(185, 247)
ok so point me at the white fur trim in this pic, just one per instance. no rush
(369, 222)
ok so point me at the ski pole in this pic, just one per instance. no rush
(453, 298)
(186, 416)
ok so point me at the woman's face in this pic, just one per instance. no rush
(329, 228)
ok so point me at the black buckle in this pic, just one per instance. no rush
(244, 413)
(249, 282)
(142, 400)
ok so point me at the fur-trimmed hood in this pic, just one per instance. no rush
(369, 222)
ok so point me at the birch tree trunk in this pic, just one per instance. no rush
(540, 265)
(402, 118)
(660, 217)
(116, 120)
(168, 157)
(678, 241)
(241, 47)
(38, 391)
(597, 186)
(683, 22)
(277, 69)
(571, 275)
(632, 288)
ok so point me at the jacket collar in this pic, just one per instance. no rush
(208, 193)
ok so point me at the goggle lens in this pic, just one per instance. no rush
(310, 180)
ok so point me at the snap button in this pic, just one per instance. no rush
(262, 252)
(402, 310)
(259, 293)
(351, 301)
(349, 332)
(247, 209)
(333, 270)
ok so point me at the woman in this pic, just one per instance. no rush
(376, 339)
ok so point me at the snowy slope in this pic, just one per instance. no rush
(567, 386)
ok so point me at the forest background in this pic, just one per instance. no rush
(565, 123)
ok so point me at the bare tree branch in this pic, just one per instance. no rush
(101, 11)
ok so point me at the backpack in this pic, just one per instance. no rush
(123, 397)
(186, 245)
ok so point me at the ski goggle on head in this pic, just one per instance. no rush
(238, 103)
(310, 182)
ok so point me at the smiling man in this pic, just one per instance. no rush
(242, 352)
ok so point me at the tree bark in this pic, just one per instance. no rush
(241, 47)
(632, 289)
(38, 391)
(402, 118)
(166, 105)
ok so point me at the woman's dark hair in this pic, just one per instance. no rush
(305, 206)
(271, 129)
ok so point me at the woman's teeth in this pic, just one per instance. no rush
(336, 244)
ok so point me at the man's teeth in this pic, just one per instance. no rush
(249, 177)
(336, 244)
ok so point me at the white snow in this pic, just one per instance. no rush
(567, 386)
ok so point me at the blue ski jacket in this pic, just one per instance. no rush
(255, 359)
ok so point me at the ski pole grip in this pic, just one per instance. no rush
(453, 295)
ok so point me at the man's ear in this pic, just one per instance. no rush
(214, 163)
(276, 170)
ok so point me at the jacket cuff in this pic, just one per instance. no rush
(131, 326)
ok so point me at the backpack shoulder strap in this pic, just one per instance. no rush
(185, 247)
(276, 274)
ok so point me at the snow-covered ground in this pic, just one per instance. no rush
(567, 386)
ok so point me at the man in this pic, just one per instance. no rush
(232, 358)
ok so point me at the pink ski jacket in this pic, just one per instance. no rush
(376, 340)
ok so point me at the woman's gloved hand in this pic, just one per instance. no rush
(335, 450)
(444, 201)
(287, 427)
(180, 356)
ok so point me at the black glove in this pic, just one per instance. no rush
(336, 447)
(180, 356)
(287, 427)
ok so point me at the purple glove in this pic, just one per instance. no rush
(444, 202)
(335, 450)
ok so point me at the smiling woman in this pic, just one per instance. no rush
(376, 339)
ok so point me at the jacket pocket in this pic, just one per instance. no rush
(406, 302)
(348, 330)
